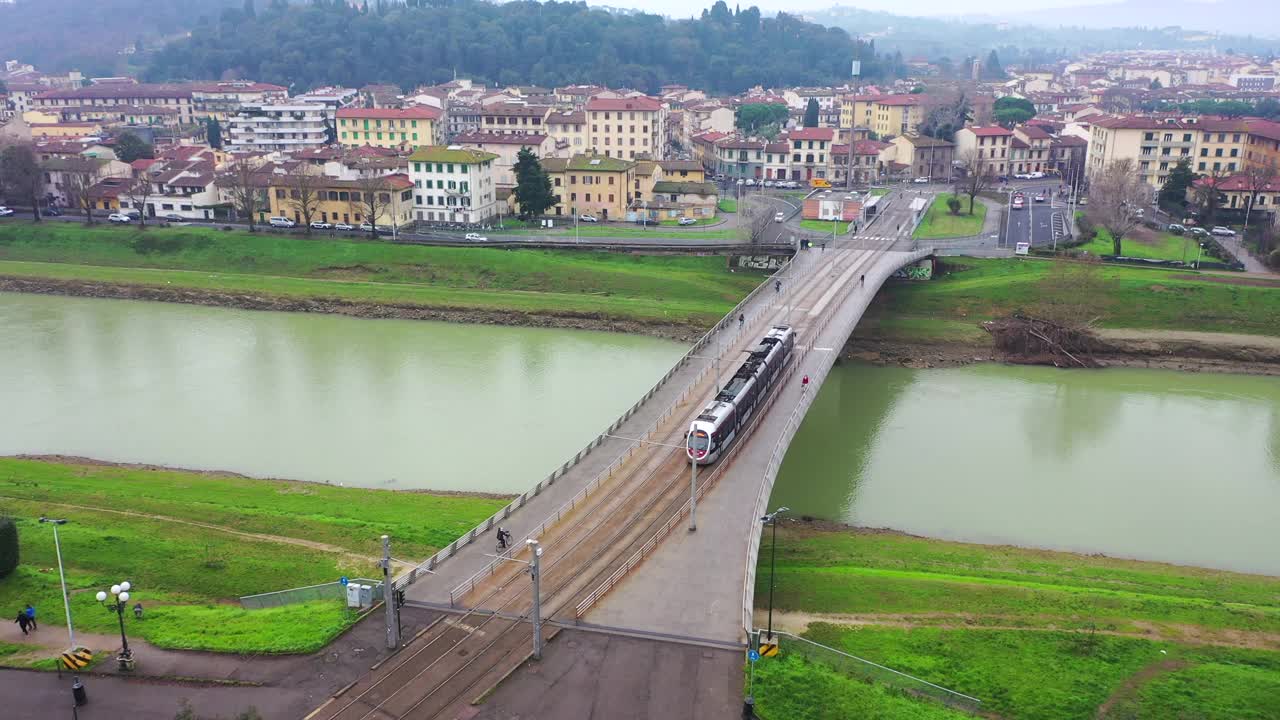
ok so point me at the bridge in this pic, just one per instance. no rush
(613, 521)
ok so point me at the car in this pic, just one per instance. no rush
(476, 237)
(590, 218)
(1018, 202)
(1084, 201)
(321, 225)
(1002, 178)
(343, 226)
(1222, 231)
(1040, 197)
(51, 211)
(172, 217)
(740, 181)
(687, 221)
(1022, 176)
(281, 222)
(366, 227)
(1198, 232)
(1176, 229)
(5, 212)
(779, 217)
(119, 218)
(921, 180)
(1140, 212)
(1035, 175)
(767, 183)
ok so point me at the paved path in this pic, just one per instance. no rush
(1241, 253)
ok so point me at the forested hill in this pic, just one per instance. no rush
(548, 44)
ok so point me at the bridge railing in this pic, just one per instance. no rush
(520, 501)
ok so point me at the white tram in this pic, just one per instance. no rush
(724, 418)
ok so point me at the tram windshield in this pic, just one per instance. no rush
(699, 443)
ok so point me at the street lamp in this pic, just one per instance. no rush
(77, 688)
(772, 519)
(1199, 254)
(119, 601)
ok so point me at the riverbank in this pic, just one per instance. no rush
(669, 296)
(1031, 633)
(1146, 318)
(192, 542)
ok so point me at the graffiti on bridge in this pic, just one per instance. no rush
(922, 270)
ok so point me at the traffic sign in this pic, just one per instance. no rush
(752, 655)
(77, 659)
(343, 580)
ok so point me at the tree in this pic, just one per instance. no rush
(953, 205)
(244, 187)
(811, 113)
(1173, 194)
(751, 117)
(76, 185)
(213, 133)
(138, 192)
(978, 178)
(1257, 177)
(1155, 84)
(8, 546)
(130, 147)
(1010, 111)
(991, 69)
(372, 199)
(1116, 195)
(943, 121)
(305, 195)
(1207, 196)
(21, 176)
(756, 219)
(533, 186)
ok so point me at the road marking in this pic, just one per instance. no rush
(831, 292)
(822, 349)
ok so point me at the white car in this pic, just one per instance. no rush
(921, 180)
(687, 221)
(779, 217)
(281, 222)
(740, 181)
(343, 226)
(588, 218)
(5, 212)
(768, 183)
(321, 225)
(119, 218)
(1035, 175)
(1022, 176)
(1222, 231)
(476, 237)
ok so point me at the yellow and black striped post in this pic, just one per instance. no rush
(77, 659)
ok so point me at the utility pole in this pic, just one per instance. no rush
(693, 491)
(535, 574)
(389, 596)
(77, 688)
(772, 519)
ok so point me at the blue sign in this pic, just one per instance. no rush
(343, 580)
(753, 655)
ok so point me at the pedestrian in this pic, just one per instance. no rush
(864, 281)
(22, 621)
(741, 319)
(777, 286)
(31, 616)
(137, 611)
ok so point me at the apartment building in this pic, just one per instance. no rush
(1031, 149)
(264, 127)
(1156, 144)
(178, 97)
(568, 131)
(810, 152)
(885, 115)
(984, 149)
(739, 159)
(925, 156)
(1263, 145)
(390, 127)
(777, 160)
(626, 127)
(506, 147)
(461, 118)
(453, 184)
(221, 100)
(513, 116)
(598, 185)
(343, 201)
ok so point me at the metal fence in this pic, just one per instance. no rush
(869, 671)
(325, 591)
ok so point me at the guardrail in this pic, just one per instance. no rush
(452, 549)
(323, 591)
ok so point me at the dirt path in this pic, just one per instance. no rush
(798, 622)
(1129, 687)
(298, 542)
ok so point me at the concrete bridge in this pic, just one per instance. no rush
(612, 522)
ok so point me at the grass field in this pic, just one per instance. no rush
(972, 290)
(688, 290)
(824, 226)
(1146, 245)
(727, 205)
(1033, 634)
(192, 543)
(938, 222)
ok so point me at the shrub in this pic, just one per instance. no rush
(1086, 227)
(8, 546)
(1274, 259)
(953, 204)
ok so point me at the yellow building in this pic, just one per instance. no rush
(592, 185)
(65, 129)
(626, 127)
(885, 115)
(390, 127)
(1221, 146)
(342, 201)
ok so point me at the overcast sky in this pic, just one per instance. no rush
(688, 8)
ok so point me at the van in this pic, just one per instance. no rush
(779, 217)
(283, 222)
(819, 183)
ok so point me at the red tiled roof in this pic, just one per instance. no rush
(1239, 183)
(988, 131)
(576, 117)
(893, 100)
(492, 138)
(646, 104)
(236, 86)
(781, 147)
(143, 163)
(1035, 132)
(121, 90)
(869, 147)
(817, 133)
(417, 112)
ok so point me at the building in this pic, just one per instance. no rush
(461, 118)
(673, 200)
(626, 127)
(984, 149)
(513, 116)
(1031, 149)
(343, 201)
(506, 148)
(777, 160)
(927, 157)
(221, 100)
(453, 184)
(286, 127)
(178, 97)
(739, 159)
(185, 188)
(835, 205)
(65, 175)
(390, 127)
(1237, 189)
(1155, 145)
(1263, 145)
(568, 131)
(810, 152)
(885, 115)
(1221, 146)
(590, 184)
(683, 170)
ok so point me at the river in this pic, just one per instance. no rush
(375, 403)
(1152, 465)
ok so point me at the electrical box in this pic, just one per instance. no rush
(366, 596)
(353, 595)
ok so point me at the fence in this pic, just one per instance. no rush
(874, 672)
(520, 501)
(325, 591)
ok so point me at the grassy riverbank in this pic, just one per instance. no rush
(191, 543)
(970, 290)
(676, 290)
(1033, 634)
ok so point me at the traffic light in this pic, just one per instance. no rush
(399, 599)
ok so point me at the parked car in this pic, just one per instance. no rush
(343, 226)
(687, 221)
(119, 218)
(281, 222)
(1176, 229)
(321, 225)
(593, 218)
(367, 227)
(1084, 201)
(921, 180)
(173, 217)
(1198, 232)
(476, 237)
(779, 217)
(1021, 176)
(1222, 231)
(1035, 175)
(5, 212)
(740, 181)
(767, 183)
(51, 211)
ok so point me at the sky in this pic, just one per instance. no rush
(687, 8)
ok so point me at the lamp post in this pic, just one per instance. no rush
(119, 601)
(1199, 254)
(772, 519)
(77, 688)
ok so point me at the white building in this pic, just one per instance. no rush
(264, 127)
(453, 184)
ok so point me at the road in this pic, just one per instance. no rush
(1035, 223)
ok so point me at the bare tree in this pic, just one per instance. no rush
(372, 199)
(1207, 195)
(1117, 196)
(305, 195)
(76, 186)
(21, 176)
(757, 218)
(978, 178)
(241, 181)
(1257, 178)
(138, 191)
